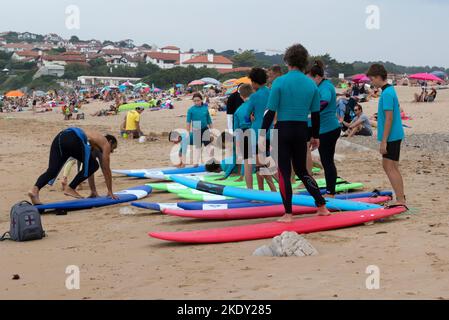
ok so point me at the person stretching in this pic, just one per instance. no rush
(293, 97)
(78, 144)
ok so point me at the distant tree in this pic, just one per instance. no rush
(191, 50)
(146, 46)
(74, 39)
(98, 62)
(245, 59)
(108, 43)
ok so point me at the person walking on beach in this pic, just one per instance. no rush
(390, 131)
(293, 97)
(330, 129)
(77, 144)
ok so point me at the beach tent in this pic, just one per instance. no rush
(197, 83)
(14, 94)
(425, 77)
(211, 81)
(360, 78)
(440, 74)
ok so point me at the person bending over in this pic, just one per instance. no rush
(78, 144)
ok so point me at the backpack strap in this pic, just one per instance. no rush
(3, 238)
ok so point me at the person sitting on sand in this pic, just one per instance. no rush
(360, 125)
(420, 97)
(177, 138)
(131, 123)
(431, 96)
(78, 144)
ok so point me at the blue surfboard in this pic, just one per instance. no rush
(238, 203)
(273, 197)
(160, 174)
(156, 206)
(128, 195)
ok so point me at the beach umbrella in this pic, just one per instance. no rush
(14, 94)
(127, 84)
(359, 78)
(157, 90)
(440, 74)
(424, 77)
(211, 81)
(230, 83)
(141, 85)
(179, 85)
(197, 83)
(231, 91)
(244, 80)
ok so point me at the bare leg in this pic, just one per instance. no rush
(249, 175)
(34, 196)
(287, 218)
(394, 175)
(93, 187)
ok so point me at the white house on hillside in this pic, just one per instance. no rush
(209, 61)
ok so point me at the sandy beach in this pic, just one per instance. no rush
(118, 260)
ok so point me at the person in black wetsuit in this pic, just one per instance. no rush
(234, 102)
(78, 144)
(293, 97)
(330, 129)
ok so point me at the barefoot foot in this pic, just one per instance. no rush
(287, 218)
(34, 197)
(323, 212)
(69, 192)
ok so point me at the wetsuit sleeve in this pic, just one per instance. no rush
(315, 107)
(315, 125)
(323, 105)
(268, 119)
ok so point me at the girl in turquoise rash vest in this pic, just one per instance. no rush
(293, 97)
(330, 129)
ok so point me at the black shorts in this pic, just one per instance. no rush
(393, 150)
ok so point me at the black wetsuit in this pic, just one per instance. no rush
(66, 145)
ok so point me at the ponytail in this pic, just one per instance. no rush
(317, 69)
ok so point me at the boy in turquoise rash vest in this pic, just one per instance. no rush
(257, 106)
(242, 126)
(78, 144)
(390, 131)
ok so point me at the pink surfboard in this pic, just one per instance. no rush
(273, 229)
(254, 212)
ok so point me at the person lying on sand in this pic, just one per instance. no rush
(78, 144)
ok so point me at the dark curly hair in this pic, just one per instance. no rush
(258, 75)
(297, 56)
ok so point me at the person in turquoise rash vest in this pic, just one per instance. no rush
(257, 106)
(199, 122)
(292, 98)
(390, 131)
(77, 144)
(330, 129)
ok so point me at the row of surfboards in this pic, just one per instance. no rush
(230, 200)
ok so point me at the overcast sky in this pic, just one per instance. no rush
(412, 32)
